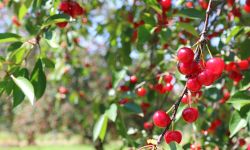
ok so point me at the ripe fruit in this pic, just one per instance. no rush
(133, 79)
(148, 125)
(190, 114)
(203, 4)
(247, 8)
(185, 55)
(205, 77)
(63, 90)
(185, 99)
(186, 68)
(173, 136)
(168, 78)
(71, 8)
(169, 87)
(230, 2)
(62, 24)
(215, 65)
(165, 4)
(161, 119)
(15, 21)
(193, 84)
(243, 64)
(141, 91)
(124, 88)
(189, 4)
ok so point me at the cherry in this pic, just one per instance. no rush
(205, 77)
(168, 78)
(123, 101)
(248, 2)
(148, 125)
(215, 65)
(190, 114)
(195, 147)
(203, 4)
(71, 8)
(141, 91)
(165, 4)
(242, 142)
(186, 68)
(230, 2)
(193, 84)
(169, 87)
(173, 136)
(185, 55)
(243, 64)
(133, 79)
(247, 8)
(236, 76)
(185, 99)
(63, 90)
(124, 88)
(232, 66)
(189, 4)
(226, 95)
(62, 24)
(15, 21)
(161, 119)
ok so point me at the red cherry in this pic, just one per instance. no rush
(248, 2)
(205, 77)
(215, 65)
(187, 69)
(63, 90)
(64, 6)
(185, 99)
(173, 136)
(247, 8)
(133, 79)
(230, 2)
(190, 114)
(141, 91)
(62, 24)
(124, 88)
(193, 84)
(15, 21)
(242, 142)
(243, 64)
(195, 147)
(237, 77)
(169, 87)
(226, 95)
(161, 119)
(148, 125)
(123, 101)
(185, 55)
(168, 78)
(189, 4)
(203, 4)
(232, 66)
(165, 4)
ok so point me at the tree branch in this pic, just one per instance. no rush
(202, 41)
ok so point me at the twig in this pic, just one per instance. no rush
(202, 41)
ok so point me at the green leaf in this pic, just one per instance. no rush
(38, 79)
(191, 13)
(56, 19)
(112, 112)
(26, 88)
(9, 37)
(14, 46)
(22, 11)
(240, 99)
(18, 55)
(133, 107)
(234, 31)
(100, 127)
(187, 27)
(118, 77)
(236, 123)
(48, 63)
(173, 146)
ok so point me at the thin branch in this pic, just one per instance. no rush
(202, 41)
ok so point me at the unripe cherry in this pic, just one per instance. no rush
(185, 55)
(193, 84)
(141, 91)
(205, 77)
(133, 79)
(215, 65)
(190, 114)
(173, 136)
(168, 78)
(161, 119)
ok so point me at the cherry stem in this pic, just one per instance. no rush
(198, 51)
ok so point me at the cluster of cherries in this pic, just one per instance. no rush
(198, 73)
(71, 8)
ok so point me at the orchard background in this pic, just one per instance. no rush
(124, 74)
